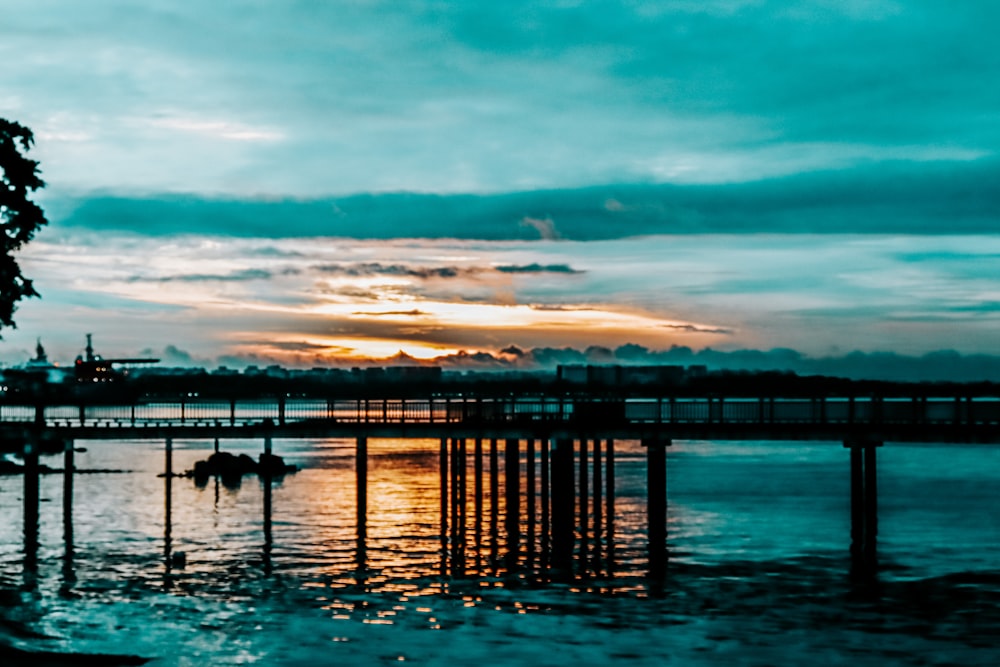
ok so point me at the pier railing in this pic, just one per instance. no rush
(957, 411)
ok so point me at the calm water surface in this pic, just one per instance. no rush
(758, 534)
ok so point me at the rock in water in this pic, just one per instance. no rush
(273, 465)
(231, 468)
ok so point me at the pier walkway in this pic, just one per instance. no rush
(957, 419)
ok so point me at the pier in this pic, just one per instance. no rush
(558, 454)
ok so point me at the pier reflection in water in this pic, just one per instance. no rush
(540, 510)
(382, 550)
(502, 527)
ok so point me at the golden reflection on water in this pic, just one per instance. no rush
(227, 538)
(726, 502)
(308, 525)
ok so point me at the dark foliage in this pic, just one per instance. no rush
(20, 217)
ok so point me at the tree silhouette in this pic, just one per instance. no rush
(20, 217)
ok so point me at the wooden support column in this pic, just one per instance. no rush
(512, 500)
(31, 506)
(463, 497)
(443, 465)
(168, 458)
(494, 499)
(546, 444)
(477, 504)
(563, 494)
(609, 502)
(530, 482)
(455, 500)
(458, 504)
(361, 477)
(598, 508)
(168, 478)
(69, 470)
(584, 491)
(477, 517)
(656, 509)
(864, 507)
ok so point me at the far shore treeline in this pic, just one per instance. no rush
(428, 381)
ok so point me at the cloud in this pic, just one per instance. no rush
(694, 328)
(393, 313)
(173, 356)
(355, 270)
(243, 275)
(299, 346)
(545, 227)
(897, 198)
(909, 293)
(536, 268)
(429, 96)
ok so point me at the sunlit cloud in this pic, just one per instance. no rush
(217, 296)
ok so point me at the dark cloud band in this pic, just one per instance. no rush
(902, 197)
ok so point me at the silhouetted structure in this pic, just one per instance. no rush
(90, 367)
(566, 440)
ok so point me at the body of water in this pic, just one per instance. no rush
(758, 535)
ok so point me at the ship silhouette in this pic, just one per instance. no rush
(91, 375)
(90, 367)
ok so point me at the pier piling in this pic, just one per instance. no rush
(584, 502)
(864, 507)
(546, 445)
(609, 501)
(530, 500)
(656, 507)
(598, 508)
(458, 471)
(477, 512)
(443, 465)
(562, 506)
(494, 500)
(512, 499)
(31, 506)
(168, 479)
(69, 470)
(361, 478)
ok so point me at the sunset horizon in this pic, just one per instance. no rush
(328, 184)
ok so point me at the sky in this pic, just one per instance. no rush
(513, 184)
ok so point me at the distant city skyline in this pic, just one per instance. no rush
(320, 183)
